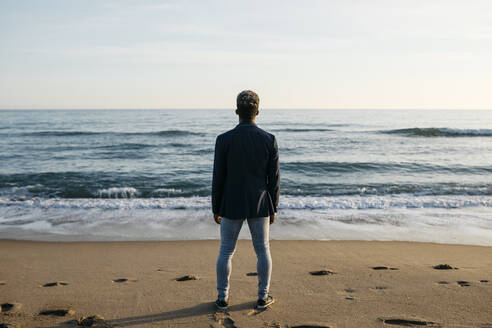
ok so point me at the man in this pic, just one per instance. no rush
(245, 186)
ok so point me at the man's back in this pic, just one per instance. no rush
(246, 173)
(245, 187)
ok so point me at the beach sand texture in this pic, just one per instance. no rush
(315, 283)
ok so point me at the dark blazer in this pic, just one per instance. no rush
(246, 173)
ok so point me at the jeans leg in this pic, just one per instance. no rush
(229, 232)
(260, 230)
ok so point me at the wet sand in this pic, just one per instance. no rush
(315, 283)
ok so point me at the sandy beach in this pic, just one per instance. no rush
(133, 284)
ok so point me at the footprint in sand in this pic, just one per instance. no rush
(2, 282)
(9, 325)
(379, 288)
(252, 274)
(350, 291)
(463, 283)
(444, 267)
(9, 307)
(323, 272)
(56, 283)
(484, 280)
(122, 280)
(408, 322)
(384, 268)
(224, 320)
(188, 277)
(347, 293)
(443, 282)
(57, 312)
(256, 311)
(94, 321)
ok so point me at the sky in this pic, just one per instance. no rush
(75, 54)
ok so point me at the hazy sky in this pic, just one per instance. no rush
(200, 54)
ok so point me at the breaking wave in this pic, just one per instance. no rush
(441, 132)
(54, 133)
(122, 199)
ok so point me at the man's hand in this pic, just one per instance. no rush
(217, 218)
(272, 218)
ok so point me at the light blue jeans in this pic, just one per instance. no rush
(229, 232)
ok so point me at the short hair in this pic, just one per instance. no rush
(247, 104)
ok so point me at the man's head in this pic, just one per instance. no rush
(247, 105)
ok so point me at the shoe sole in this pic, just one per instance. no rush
(220, 307)
(261, 307)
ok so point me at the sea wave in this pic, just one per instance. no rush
(58, 133)
(293, 188)
(173, 133)
(61, 133)
(126, 192)
(314, 125)
(126, 146)
(71, 185)
(286, 202)
(315, 168)
(302, 130)
(166, 192)
(441, 225)
(440, 132)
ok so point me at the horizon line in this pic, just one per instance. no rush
(232, 109)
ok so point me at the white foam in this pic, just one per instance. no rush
(167, 191)
(118, 192)
(386, 201)
(464, 226)
(167, 219)
(286, 202)
(19, 193)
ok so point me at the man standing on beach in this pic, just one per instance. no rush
(245, 186)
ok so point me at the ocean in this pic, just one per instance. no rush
(412, 175)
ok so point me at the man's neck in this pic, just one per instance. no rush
(246, 121)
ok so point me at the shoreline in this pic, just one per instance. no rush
(13, 240)
(150, 241)
(133, 283)
(465, 226)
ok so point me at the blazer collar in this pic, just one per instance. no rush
(246, 124)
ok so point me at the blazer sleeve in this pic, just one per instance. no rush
(219, 175)
(273, 174)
